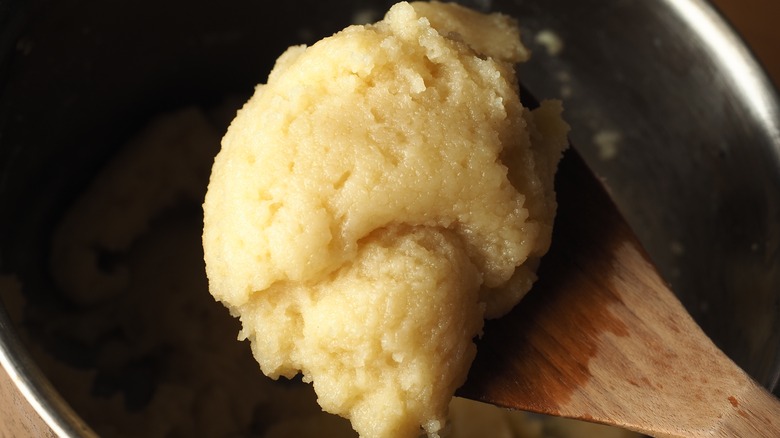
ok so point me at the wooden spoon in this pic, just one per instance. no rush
(602, 338)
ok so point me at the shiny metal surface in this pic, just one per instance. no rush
(691, 152)
(665, 103)
(35, 387)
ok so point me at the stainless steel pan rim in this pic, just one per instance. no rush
(743, 74)
(35, 387)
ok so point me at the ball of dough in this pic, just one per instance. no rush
(374, 201)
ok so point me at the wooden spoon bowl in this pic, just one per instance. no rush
(602, 338)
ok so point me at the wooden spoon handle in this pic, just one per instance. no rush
(602, 338)
(756, 413)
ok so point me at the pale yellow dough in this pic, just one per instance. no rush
(380, 196)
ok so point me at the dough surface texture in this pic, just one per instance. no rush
(380, 196)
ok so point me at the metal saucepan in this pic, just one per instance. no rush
(665, 102)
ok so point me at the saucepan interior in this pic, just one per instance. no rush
(665, 104)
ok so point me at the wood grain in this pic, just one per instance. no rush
(602, 338)
(17, 417)
(754, 19)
